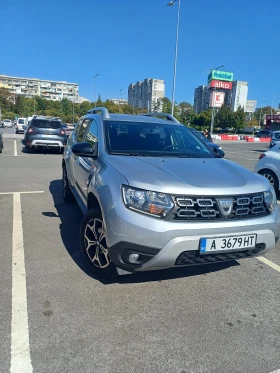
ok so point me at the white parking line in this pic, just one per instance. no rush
(20, 348)
(276, 371)
(269, 263)
(15, 148)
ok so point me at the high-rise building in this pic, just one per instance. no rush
(239, 95)
(147, 94)
(201, 99)
(48, 89)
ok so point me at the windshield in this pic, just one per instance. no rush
(43, 123)
(154, 139)
(21, 121)
(276, 135)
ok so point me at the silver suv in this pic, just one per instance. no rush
(154, 196)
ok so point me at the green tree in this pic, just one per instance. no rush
(238, 119)
(224, 118)
(166, 105)
(203, 120)
(19, 106)
(186, 112)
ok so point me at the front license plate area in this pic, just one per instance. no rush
(226, 244)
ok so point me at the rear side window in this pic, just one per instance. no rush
(277, 135)
(21, 121)
(42, 123)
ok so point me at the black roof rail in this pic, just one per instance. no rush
(159, 114)
(97, 110)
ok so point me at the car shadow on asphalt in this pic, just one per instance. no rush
(71, 216)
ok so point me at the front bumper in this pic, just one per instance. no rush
(165, 242)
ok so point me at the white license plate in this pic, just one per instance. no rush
(220, 244)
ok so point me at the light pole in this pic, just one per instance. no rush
(213, 104)
(273, 97)
(261, 114)
(121, 92)
(171, 3)
(95, 76)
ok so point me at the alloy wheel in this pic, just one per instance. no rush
(95, 243)
(270, 178)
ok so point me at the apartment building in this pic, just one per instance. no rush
(147, 94)
(47, 89)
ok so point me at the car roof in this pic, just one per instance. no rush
(138, 118)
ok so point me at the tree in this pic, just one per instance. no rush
(166, 105)
(224, 118)
(186, 112)
(19, 106)
(239, 119)
(203, 119)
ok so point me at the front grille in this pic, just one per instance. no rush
(190, 208)
(193, 257)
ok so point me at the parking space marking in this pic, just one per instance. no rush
(20, 348)
(276, 371)
(35, 192)
(15, 148)
(270, 264)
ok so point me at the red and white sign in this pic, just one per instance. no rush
(217, 99)
(219, 84)
(272, 117)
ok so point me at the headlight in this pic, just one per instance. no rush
(270, 199)
(147, 202)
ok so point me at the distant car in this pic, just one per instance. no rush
(67, 130)
(8, 123)
(1, 142)
(268, 165)
(21, 125)
(275, 138)
(209, 142)
(264, 133)
(45, 132)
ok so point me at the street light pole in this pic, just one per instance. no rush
(176, 52)
(261, 114)
(95, 76)
(273, 97)
(213, 104)
(121, 92)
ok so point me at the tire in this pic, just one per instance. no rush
(66, 190)
(94, 246)
(272, 178)
(1, 147)
(28, 149)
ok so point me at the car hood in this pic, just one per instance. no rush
(189, 176)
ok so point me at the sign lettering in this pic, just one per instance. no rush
(219, 84)
(220, 75)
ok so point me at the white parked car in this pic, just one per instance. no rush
(269, 165)
(8, 123)
(275, 138)
(21, 125)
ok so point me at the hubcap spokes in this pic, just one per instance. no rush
(269, 178)
(95, 242)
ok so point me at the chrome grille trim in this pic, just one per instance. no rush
(199, 208)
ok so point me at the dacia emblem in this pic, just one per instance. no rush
(225, 205)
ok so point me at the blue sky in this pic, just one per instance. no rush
(129, 40)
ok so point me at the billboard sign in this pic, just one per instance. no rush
(217, 99)
(251, 106)
(220, 75)
(239, 95)
(272, 117)
(219, 84)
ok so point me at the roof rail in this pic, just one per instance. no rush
(158, 114)
(104, 112)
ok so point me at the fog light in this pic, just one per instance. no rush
(133, 258)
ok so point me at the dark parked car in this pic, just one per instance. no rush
(45, 132)
(264, 133)
(210, 143)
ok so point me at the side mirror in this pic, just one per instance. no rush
(219, 153)
(84, 149)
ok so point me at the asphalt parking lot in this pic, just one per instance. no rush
(218, 318)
